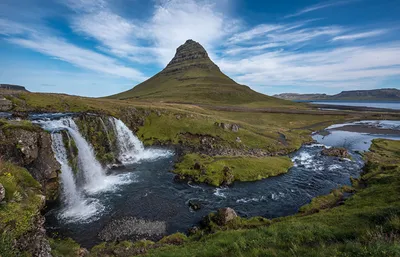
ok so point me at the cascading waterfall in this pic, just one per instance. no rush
(70, 193)
(95, 176)
(80, 198)
(76, 206)
(131, 149)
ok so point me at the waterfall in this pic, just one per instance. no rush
(93, 172)
(82, 200)
(94, 175)
(70, 193)
(130, 148)
(76, 206)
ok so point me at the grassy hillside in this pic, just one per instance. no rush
(198, 86)
(191, 77)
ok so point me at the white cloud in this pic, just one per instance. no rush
(175, 21)
(318, 7)
(60, 49)
(333, 67)
(368, 34)
(259, 30)
(77, 56)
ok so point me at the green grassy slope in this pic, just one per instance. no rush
(197, 86)
(191, 77)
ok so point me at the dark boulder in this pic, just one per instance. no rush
(336, 151)
(224, 215)
(194, 205)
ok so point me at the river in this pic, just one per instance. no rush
(152, 194)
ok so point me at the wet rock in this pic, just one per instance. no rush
(82, 252)
(225, 215)
(32, 149)
(180, 178)
(197, 166)
(337, 152)
(133, 118)
(2, 192)
(132, 228)
(194, 205)
(235, 128)
(193, 230)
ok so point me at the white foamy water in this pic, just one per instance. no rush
(248, 200)
(76, 206)
(131, 149)
(220, 192)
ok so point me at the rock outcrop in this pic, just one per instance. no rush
(12, 87)
(5, 105)
(190, 55)
(225, 215)
(132, 228)
(336, 151)
(35, 241)
(30, 147)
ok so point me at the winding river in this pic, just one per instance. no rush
(150, 193)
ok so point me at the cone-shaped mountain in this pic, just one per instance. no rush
(191, 77)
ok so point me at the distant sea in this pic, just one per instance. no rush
(386, 105)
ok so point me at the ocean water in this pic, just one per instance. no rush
(385, 105)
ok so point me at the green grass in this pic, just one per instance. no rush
(213, 169)
(23, 124)
(367, 224)
(64, 247)
(23, 204)
(197, 85)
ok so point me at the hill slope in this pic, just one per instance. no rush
(384, 94)
(192, 77)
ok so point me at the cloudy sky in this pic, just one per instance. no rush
(101, 47)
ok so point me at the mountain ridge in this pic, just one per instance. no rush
(383, 94)
(192, 77)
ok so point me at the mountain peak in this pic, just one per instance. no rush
(190, 55)
(191, 77)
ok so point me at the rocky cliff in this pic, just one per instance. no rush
(12, 87)
(190, 55)
(29, 146)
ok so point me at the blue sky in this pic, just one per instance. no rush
(102, 47)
